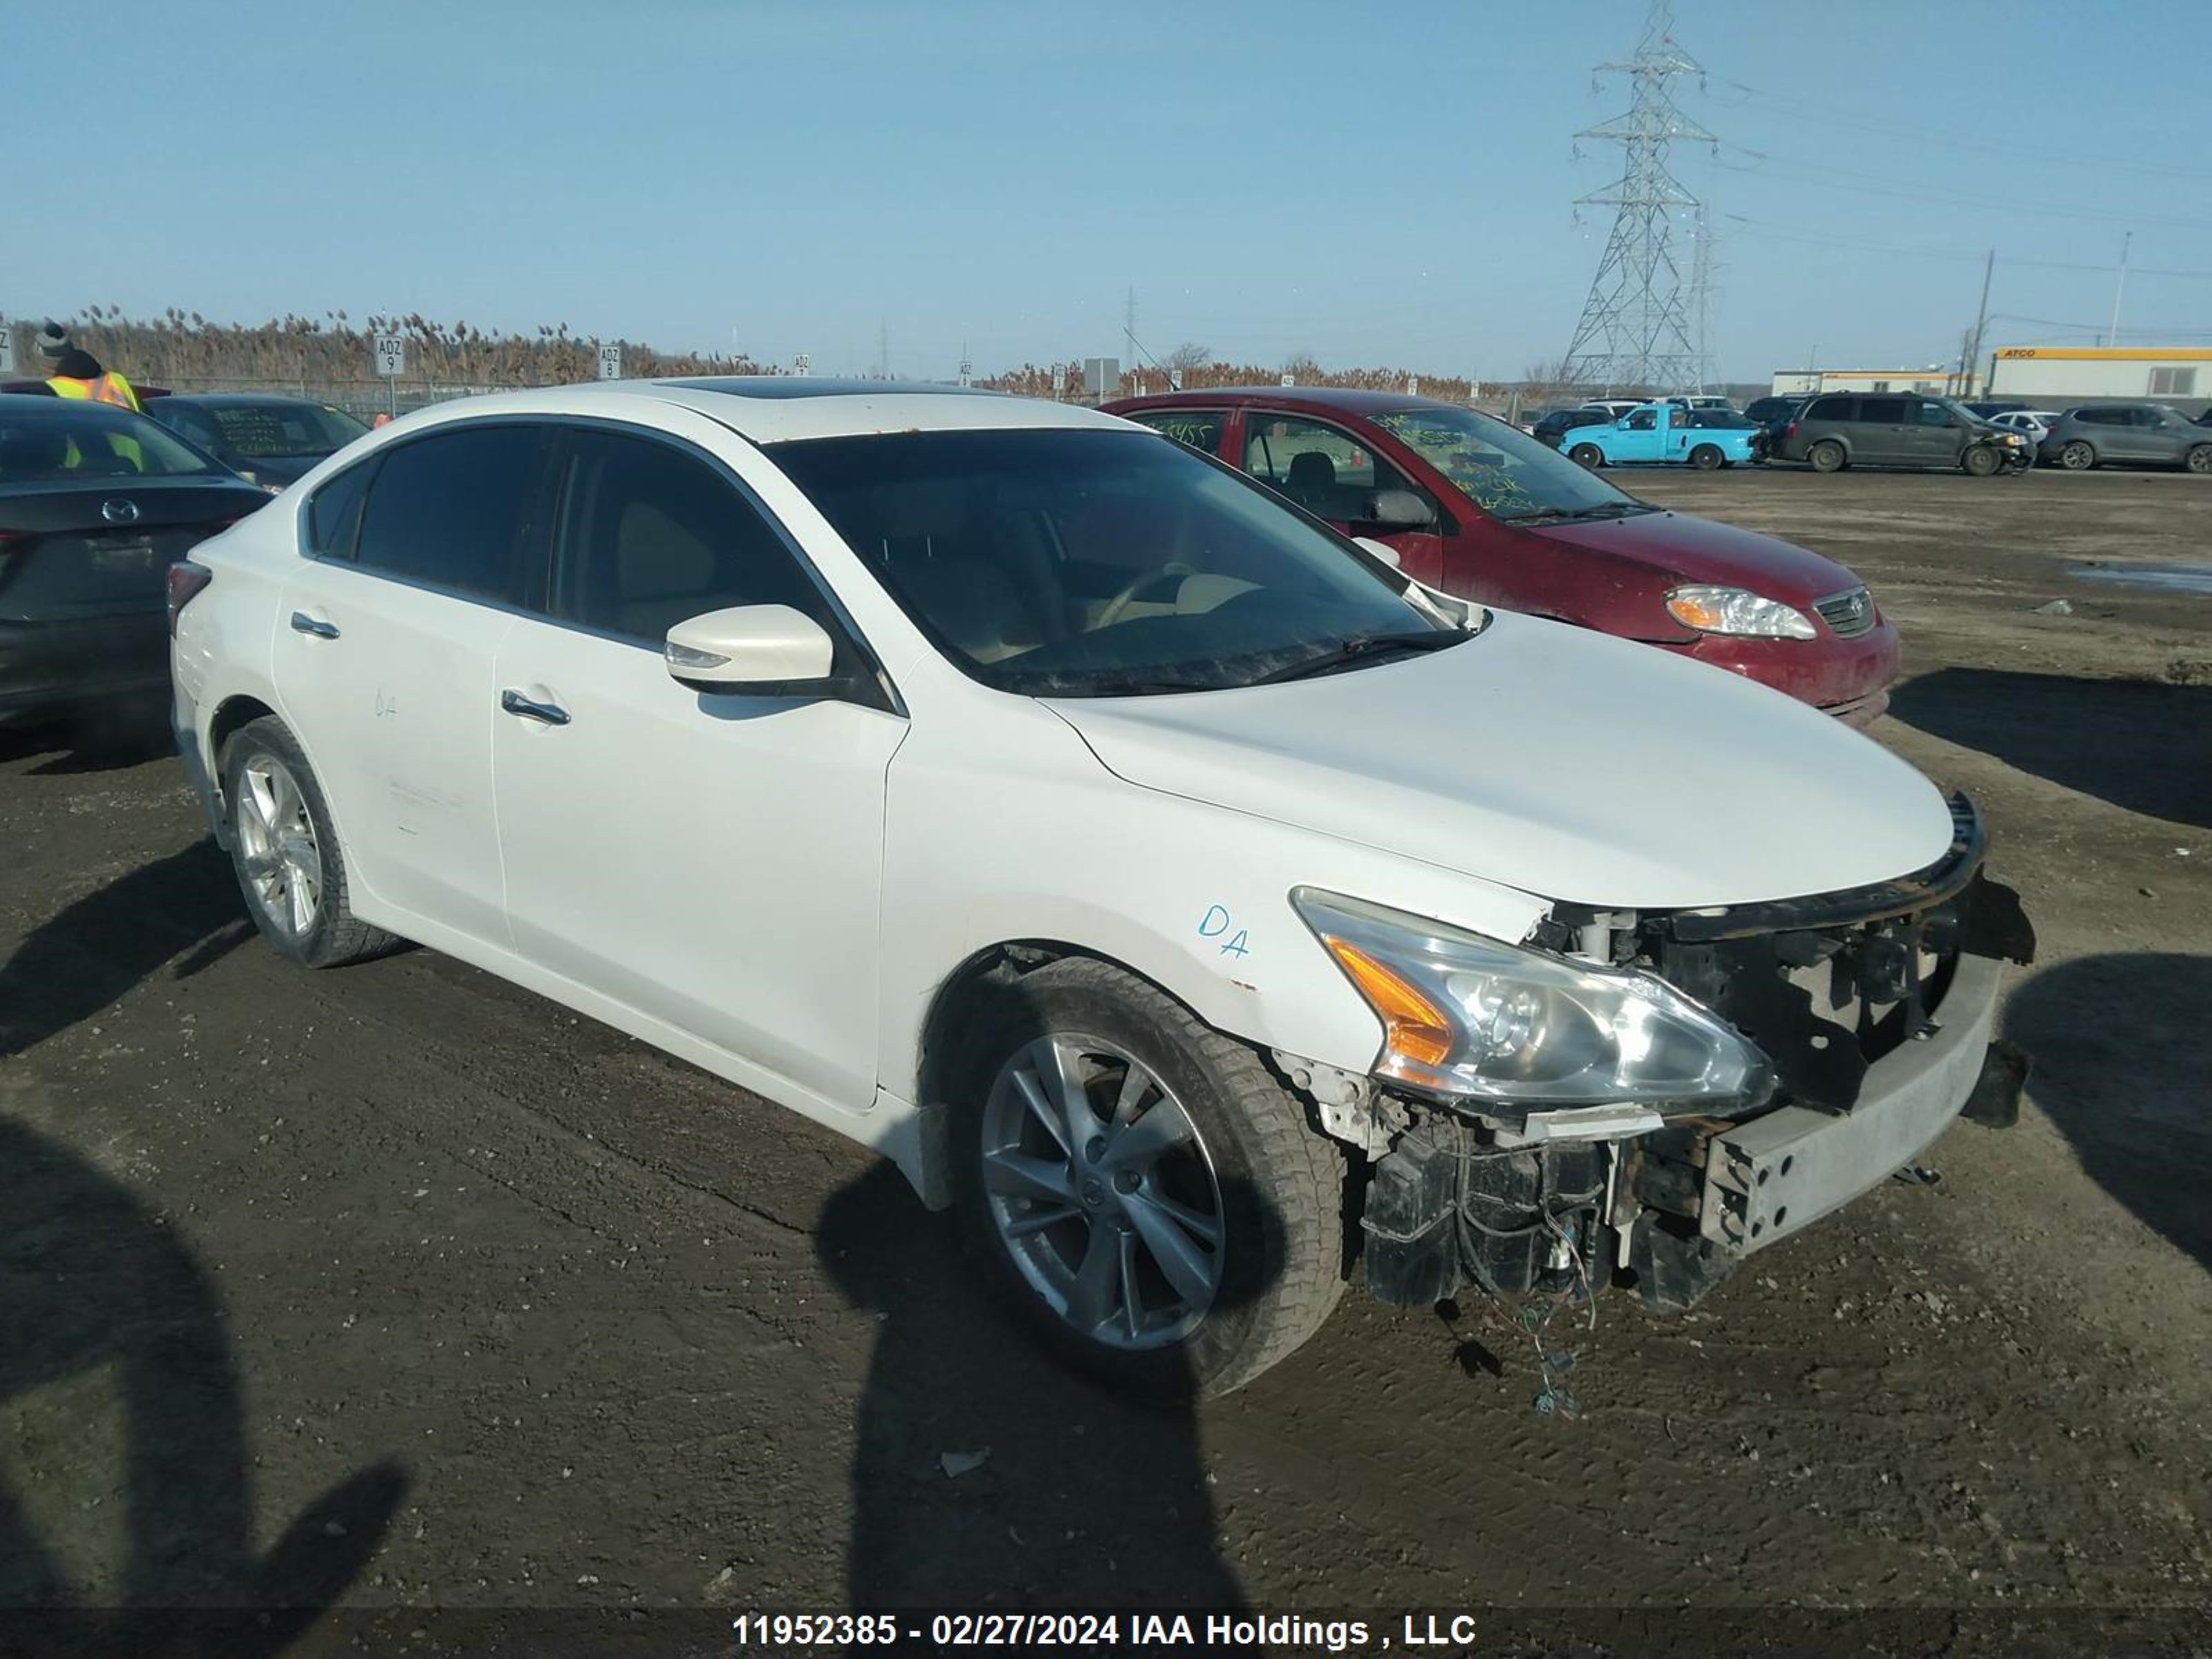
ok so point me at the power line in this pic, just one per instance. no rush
(1914, 119)
(1768, 229)
(1779, 167)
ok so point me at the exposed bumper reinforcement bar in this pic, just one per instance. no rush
(1781, 1172)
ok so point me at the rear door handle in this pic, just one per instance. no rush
(304, 623)
(551, 713)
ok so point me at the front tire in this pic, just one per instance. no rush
(2077, 457)
(285, 850)
(1142, 1190)
(2199, 459)
(1826, 456)
(1705, 457)
(1587, 455)
(1981, 461)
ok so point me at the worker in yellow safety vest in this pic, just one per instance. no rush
(77, 373)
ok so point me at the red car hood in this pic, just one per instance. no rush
(1687, 549)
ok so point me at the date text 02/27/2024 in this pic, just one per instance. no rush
(788, 1631)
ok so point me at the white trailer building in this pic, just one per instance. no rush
(1937, 378)
(2058, 376)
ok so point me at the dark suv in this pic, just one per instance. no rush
(2145, 435)
(1897, 429)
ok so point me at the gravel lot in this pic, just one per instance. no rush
(401, 1289)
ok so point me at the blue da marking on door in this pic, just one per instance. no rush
(1216, 923)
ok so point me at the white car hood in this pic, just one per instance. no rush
(1566, 763)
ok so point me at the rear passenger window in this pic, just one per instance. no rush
(1885, 411)
(650, 537)
(1199, 428)
(452, 510)
(334, 515)
(1832, 409)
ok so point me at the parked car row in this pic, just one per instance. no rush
(1167, 882)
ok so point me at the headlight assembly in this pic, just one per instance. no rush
(1738, 610)
(1467, 1016)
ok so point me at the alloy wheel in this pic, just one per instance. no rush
(277, 849)
(1103, 1191)
(2076, 456)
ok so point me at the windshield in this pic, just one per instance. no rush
(283, 431)
(1091, 563)
(48, 440)
(1501, 469)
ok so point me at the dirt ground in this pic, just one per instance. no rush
(399, 1290)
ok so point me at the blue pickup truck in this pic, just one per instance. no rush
(1669, 433)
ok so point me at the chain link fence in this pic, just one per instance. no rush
(364, 399)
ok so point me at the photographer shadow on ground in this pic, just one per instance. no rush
(2122, 1050)
(114, 1337)
(1081, 1500)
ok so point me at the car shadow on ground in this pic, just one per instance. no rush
(2143, 746)
(92, 951)
(114, 1336)
(2122, 1048)
(1083, 1500)
(104, 741)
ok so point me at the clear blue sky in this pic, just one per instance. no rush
(1370, 185)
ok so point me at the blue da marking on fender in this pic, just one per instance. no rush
(1215, 923)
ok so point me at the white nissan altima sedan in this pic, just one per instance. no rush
(1157, 877)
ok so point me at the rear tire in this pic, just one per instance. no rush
(1171, 1314)
(285, 850)
(1587, 455)
(1981, 461)
(1705, 457)
(2077, 457)
(2199, 459)
(1826, 456)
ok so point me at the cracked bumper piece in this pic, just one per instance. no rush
(1779, 1173)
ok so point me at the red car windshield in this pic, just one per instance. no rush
(1500, 468)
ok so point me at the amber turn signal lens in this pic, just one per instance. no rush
(1412, 1027)
(1692, 611)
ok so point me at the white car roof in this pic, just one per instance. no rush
(771, 409)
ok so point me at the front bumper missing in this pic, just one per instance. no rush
(1781, 1172)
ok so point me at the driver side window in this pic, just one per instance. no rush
(1324, 470)
(1643, 420)
(649, 537)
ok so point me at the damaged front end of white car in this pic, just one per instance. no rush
(1648, 1097)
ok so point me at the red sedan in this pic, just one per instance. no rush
(1481, 509)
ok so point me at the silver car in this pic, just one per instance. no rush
(2139, 435)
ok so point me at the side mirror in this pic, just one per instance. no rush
(1400, 509)
(761, 648)
(1381, 551)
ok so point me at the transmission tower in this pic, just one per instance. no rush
(1636, 328)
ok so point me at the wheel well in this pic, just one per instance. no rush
(963, 990)
(235, 713)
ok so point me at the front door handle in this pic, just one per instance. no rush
(304, 623)
(551, 713)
